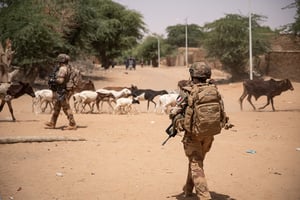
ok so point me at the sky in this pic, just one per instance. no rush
(159, 14)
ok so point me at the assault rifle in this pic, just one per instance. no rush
(176, 114)
(52, 79)
(60, 89)
(171, 131)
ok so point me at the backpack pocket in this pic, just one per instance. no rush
(188, 119)
(207, 119)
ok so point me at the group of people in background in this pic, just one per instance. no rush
(130, 63)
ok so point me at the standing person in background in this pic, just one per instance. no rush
(58, 84)
(126, 63)
(130, 63)
(133, 63)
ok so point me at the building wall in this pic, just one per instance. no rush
(283, 64)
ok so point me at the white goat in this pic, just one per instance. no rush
(43, 96)
(124, 105)
(84, 98)
(117, 94)
(167, 100)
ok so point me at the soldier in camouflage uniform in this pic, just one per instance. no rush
(62, 94)
(195, 146)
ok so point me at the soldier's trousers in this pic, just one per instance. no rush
(65, 105)
(196, 149)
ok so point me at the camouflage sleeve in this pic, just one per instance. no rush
(61, 74)
(179, 122)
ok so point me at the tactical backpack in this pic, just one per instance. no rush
(205, 111)
(74, 78)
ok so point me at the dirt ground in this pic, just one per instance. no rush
(122, 157)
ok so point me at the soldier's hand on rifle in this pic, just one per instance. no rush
(178, 122)
(174, 111)
(227, 124)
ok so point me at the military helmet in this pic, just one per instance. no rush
(200, 70)
(62, 58)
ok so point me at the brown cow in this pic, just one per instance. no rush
(269, 88)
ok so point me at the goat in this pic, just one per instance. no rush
(43, 96)
(146, 94)
(117, 94)
(84, 98)
(77, 101)
(270, 88)
(111, 95)
(116, 88)
(105, 98)
(10, 91)
(167, 100)
(124, 105)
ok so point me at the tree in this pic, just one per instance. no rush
(227, 39)
(106, 28)
(31, 31)
(148, 50)
(176, 35)
(40, 30)
(295, 27)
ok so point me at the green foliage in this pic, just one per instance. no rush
(107, 28)
(228, 40)
(176, 35)
(148, 50)
(31, 31)
(295, 27)
(40, 29)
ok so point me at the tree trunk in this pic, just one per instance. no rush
(24, 139)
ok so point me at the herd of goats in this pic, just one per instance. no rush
(119, 99)
(125, 97)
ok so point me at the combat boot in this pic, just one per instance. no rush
(187, 191)
(73, 127)
(50, 125)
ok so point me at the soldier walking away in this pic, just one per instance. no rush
(58, 84)
(200, 115)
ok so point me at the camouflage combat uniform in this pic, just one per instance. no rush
(195, 145)
(63, 102)
(62, 96)
(195, 148)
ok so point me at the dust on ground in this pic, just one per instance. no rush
(123, 157)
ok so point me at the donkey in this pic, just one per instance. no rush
(10, 91)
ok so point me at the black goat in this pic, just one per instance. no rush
(146, 94)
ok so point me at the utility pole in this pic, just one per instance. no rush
(158, 51)
(186, 44)
(250, 42)
(158, 47)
